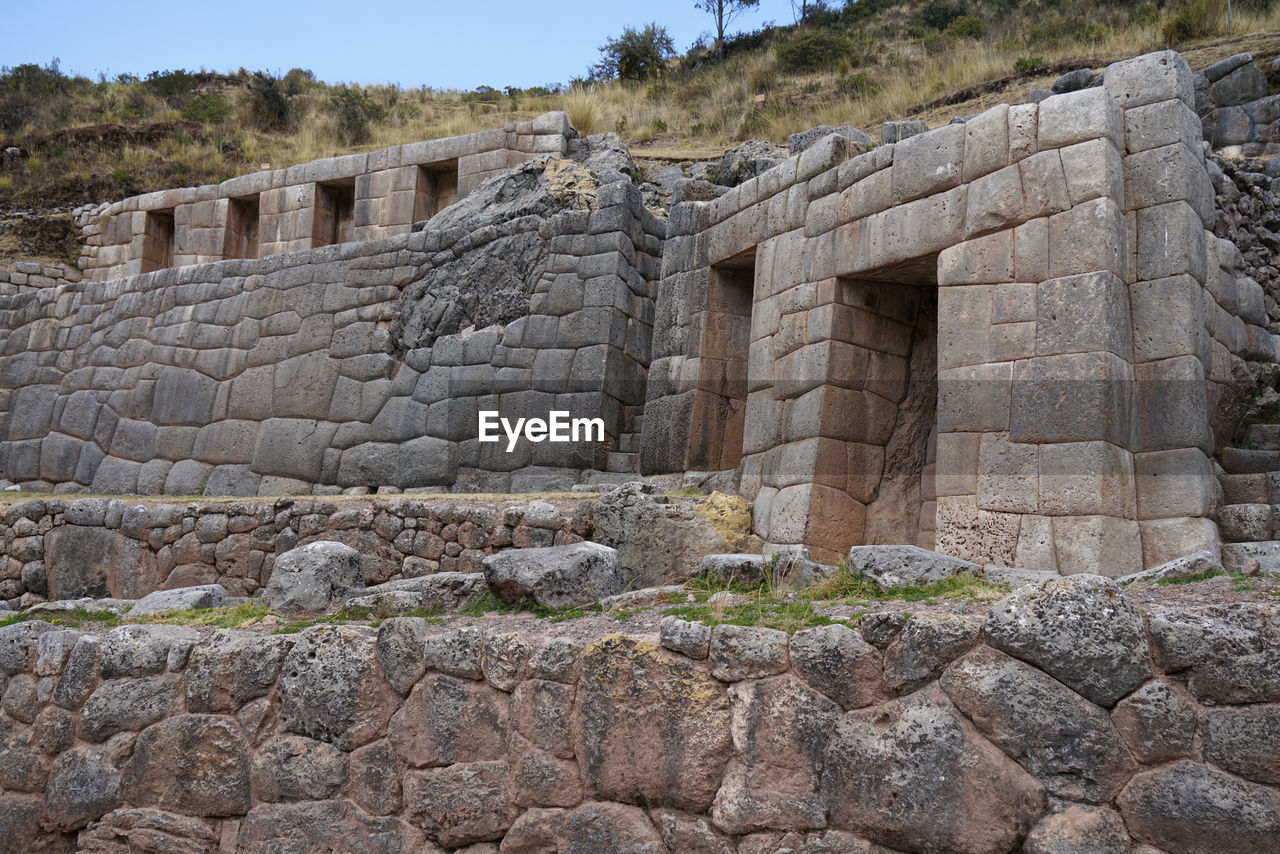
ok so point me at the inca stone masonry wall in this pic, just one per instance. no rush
(1012, 338)
(274, 376)
(387, 190)
(1065, 717)
(1088, 324)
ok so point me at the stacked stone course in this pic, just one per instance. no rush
(101, 547)
(929, 734)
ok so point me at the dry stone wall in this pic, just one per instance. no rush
(1131, 732)
(101, 547)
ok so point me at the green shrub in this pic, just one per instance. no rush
(353, 110)
(813, 50)
(207, 107)
(857, 85)
(939, 14)
(299, 79)
(1028, 64)
(636, 54)
(271, 102)
(968, 27)
(1195, 20)
(121, 175)
(174, 87)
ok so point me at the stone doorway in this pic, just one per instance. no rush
(719, 419)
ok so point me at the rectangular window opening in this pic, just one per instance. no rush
(334, 213)
(437, 188)
(242, 228)
(157, 241)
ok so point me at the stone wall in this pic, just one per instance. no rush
(283, 375)
(1088, 323)
(1044, 728)
(1239, 117)
(384, 187)
(101, 547)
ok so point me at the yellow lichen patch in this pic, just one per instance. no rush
(621, 666)
(730, 515)
(569, 180)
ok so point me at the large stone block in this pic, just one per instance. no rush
(184, 397)
(1046, 727)
(1081, 631)
(1171, 241)
(1079, 116)
(1101, 545)
(780, 728)
(98, 562)
(192, 764)
(928, 163)
(1089, 237)
(1168, 318)
(1086, 478)
(1194, 808)
(1158, 176)
(914, 775)
(292, 447)
(1081, 314)
(615, 712)
(1150, 78)
(1071, 398)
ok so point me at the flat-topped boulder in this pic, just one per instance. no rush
(904, 566)
(557, 576)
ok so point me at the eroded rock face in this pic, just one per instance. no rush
(1079, 830)
(491, 284)
(914, 775)
(662, 540)
(556, 576)
(228, 669)
(626, 685)
(780, 728)
(82, 786)
(332, 687)
(902, 566)
(1080, 630)
(1193, 808)
(591, 827)
(311, 577)
(447, 720)
(317, 825)
(192, 764)
(1231, 652)
(462, 804)
(1067, 742)
(125, 831)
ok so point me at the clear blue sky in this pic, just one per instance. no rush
(439, 44)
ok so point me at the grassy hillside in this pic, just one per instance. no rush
(80, 140)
